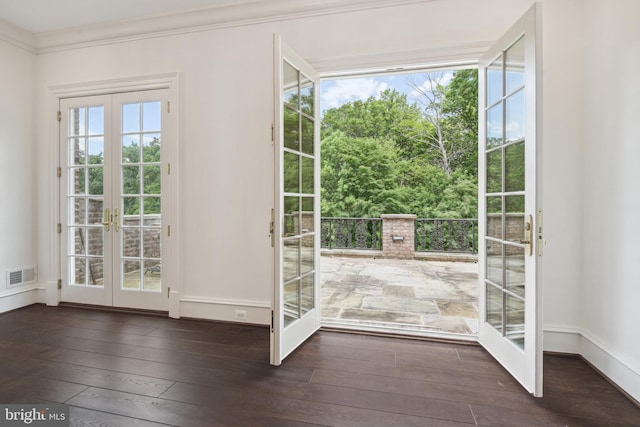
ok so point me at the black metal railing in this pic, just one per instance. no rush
(446, 235)
(351, 233)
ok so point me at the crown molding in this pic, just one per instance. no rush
(17, 36)
(257, 12)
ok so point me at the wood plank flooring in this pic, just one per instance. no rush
(125, 369)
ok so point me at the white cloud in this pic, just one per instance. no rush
(342, 91)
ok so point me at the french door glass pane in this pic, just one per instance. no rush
(306, 95)
(514, 322)
(514, 167)
(494, 262)
(515, 117)
(494, 306)
(307, 175)
(494, 171)
(96, 120)
(494, 82)
(291, 128)
(291, 226)
(515, 218)
(290, 85)
(96, 150)
(494, 217)
(307, 302)
(307, 135)
(291, 301)
(494, 126)
(514, 65)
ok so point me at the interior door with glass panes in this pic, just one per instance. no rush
(113, 184)
(510, 216)
(296, 303)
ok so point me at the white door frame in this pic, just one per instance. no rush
(169, 82)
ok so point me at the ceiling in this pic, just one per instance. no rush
(37, 16)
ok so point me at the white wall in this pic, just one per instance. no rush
(562, 139)
(17, 195)
(610, 294)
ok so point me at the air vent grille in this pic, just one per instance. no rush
(21, 276)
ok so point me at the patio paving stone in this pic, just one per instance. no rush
(401, 296)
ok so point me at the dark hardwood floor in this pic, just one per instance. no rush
(125, 369)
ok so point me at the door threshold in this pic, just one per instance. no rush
(158, 313)
(399, 331)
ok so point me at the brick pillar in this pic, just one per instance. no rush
(398, 232)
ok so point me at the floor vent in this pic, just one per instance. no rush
(21, 276)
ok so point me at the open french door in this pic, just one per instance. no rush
(296, 217)
(510, 215)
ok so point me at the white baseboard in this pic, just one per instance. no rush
(256, 312)
(21, 297)
(560, 339)
(618, 368)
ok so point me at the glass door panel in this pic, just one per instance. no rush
(84, 213)
(296, 314)
(510, 326)
(139, 182)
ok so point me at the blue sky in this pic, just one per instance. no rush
(334, 93)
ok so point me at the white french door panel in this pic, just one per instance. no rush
(115, 190)
(296, 219)
(139, 199)
(85, 193)
(510, 289)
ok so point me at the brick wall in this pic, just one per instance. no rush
(398, 236)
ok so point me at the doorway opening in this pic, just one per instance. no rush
(399, 199)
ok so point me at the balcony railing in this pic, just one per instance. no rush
(351, 233)
(430, 234)
(446, 235)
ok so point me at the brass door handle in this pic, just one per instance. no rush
(106, 221)
(528, 230)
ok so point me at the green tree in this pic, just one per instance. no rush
(460, 108)
(377, 118)
(358, 177)
(384, 155)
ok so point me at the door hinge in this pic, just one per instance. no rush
(271, 320)
(168, 168)
(541, 241)
(168, 106)
(59, 283)
(168, 231)
(59, 172)
(272, 228)
(59, 228)
(168, 292)
(59, 116)
(273, 134)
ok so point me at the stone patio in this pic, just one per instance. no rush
(416, 297)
